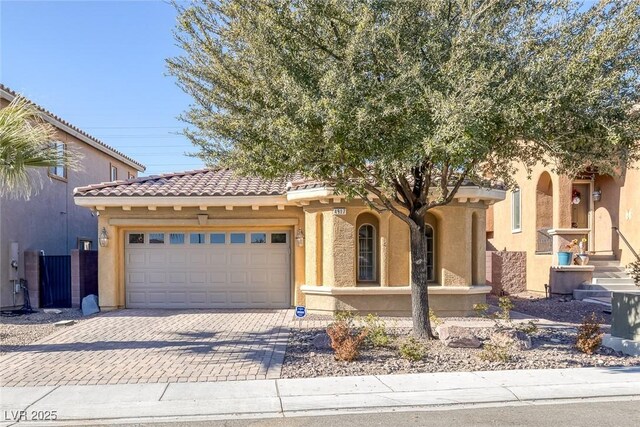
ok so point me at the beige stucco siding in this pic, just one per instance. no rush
(118, 222)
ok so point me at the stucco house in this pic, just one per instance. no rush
(211, 239)
(547, 211)
(49, 220)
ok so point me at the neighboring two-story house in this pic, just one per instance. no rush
(50, 221)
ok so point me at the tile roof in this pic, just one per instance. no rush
(204, 182)
(13, 94)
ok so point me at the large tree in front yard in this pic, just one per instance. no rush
(400, 102)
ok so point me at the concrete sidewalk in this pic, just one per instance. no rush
(93, 404)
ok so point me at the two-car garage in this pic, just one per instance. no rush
(208, 269)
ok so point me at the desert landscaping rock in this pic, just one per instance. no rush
(511, 338)
(52, 311)
(64, 323)
(90, 305)
(322, 341)
(457, 337)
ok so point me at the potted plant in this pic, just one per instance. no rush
(566, 257)
(582, 258)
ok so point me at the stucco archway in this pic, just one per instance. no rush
(544, 213)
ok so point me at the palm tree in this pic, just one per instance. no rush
(26, 143)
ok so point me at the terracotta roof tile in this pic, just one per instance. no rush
(205, 182)
(80, 131)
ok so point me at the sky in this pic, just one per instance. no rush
(100, 65)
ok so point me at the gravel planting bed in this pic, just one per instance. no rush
(552, 348)
(22, 330)
(558, 309)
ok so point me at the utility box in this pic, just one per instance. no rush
(625, 315)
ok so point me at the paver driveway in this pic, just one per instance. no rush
(147, 346)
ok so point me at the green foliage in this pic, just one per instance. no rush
(347, 316)
(590, 334)
(506, 305)
(377, 328)
(528, 328)
(634, 271)
(495, 353)
(25, 143)
(481, 309)
(397, 97)
(412, 349)
(434, 319)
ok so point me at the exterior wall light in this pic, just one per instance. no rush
(300, 238)
(597, 195)
(103, 239)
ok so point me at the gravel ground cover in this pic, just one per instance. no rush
(552, 347)
(22, 330)
(558, 309)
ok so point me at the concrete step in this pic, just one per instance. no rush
(609, 275)
(613, 281)
(581, 294)
(604, 263)
(608, 287)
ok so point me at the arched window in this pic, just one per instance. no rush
(367, 253)
(431, 271)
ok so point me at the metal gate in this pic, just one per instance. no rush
(55, 281)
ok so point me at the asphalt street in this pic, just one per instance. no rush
(620, 413)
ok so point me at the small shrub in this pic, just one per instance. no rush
(378, 336)
(481, 309)
(434, 319)
(495, 353)
(506, 305)
(346, 340)
(412, 349)
(589, 334)
(634, 271)
(528, 328)
(347, 316)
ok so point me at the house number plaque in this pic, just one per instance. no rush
(339, 211)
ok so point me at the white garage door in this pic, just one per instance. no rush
(184, 269)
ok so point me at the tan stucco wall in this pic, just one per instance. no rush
(394, 305)
(328, 257)
(111, 278)
(629, 214)
(50, 220)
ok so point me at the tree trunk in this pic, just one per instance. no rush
(419, 276)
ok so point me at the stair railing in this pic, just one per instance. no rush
(624, 239)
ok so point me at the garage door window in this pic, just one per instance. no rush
(156, 238)
(136, 238)
(176, 238)
(217, 238)
(258, 237)
(278, 237)
(196, 238)
(238, 238)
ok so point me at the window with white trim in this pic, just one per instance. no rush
(113, 173)
(59, 171)
(367, 253)
(516, 211)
